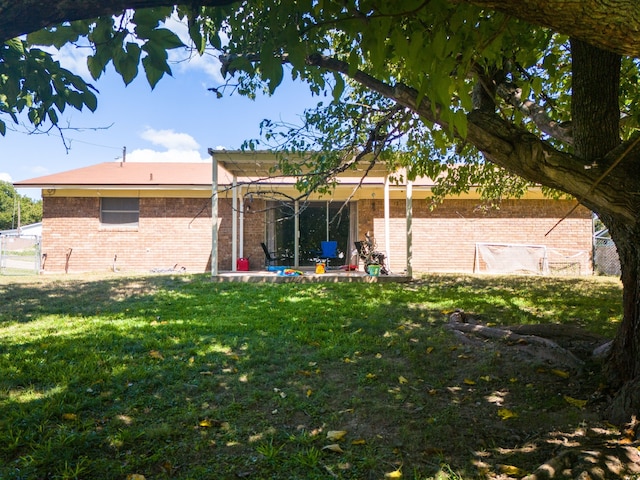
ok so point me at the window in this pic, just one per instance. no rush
(119, 212)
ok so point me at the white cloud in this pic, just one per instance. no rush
(169, 139)
(180, 147)
(5, 177)
(147, 155)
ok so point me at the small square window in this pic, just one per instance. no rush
(119, 212)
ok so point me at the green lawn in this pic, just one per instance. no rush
(177, 377)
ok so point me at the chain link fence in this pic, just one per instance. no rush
(605, 257)
(19, 254)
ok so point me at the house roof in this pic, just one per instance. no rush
(247, 167)
(132, 174)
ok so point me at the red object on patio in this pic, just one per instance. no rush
(242, 265)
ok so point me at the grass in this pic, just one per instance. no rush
(177, 377)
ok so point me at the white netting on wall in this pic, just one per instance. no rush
(511, 258)
(568, 262)
(502, 258)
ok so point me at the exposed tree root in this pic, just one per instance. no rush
(596, 453)
(532, 340)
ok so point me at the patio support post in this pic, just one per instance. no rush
(241, 241)
(296, 235)
(327, 221)
(234, 225)
(409, 218)
(387, 214)
(214, 214)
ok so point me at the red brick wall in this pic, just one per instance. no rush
(444, 239)
(171, 231)
(177, 231)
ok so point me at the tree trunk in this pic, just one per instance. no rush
(622, 368)
(623, 364)
(595, 115)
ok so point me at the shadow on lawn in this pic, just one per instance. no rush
(175, 377)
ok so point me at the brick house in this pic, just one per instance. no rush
(129, 216)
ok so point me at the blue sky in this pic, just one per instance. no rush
(177, 121)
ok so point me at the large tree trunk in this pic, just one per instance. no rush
(595, 114)
(622, 368)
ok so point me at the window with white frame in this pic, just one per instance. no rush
(119, 212)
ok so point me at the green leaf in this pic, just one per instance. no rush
(53, 116)
(16, 45)
(90, 100)
(165, 39)
(97, 64)
(126, 62)
(195, 33)
(147, 19)
(3, 128)
(153, 73)
(338, 87)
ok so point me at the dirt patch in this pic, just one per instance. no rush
(563, 365)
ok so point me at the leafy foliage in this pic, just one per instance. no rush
(447, 54)
(32, 82)
(30, 211)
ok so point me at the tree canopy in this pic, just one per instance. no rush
(10, 202)
(545, 90)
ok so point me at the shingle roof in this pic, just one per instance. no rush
(132, 174)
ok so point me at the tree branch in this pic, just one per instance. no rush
(26, 16)
(609, 26)
(508, 146)
(513, 96)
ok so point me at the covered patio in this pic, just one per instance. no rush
(254, 172)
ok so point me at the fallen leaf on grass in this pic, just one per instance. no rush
(560, 373)
(156, 354)
(486, 378)
(506, 414)
(429, 349)
(135, 476)
(334, 447)
(336, 435)
(359, 441)
(402, 380)
(69, 416)
(575, 402)
(309, 392)
(394, 474)
(371, 376)
(468, 381)
(512, 470)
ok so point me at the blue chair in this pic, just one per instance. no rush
(329, 251)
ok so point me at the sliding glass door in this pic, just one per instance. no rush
(318, 221)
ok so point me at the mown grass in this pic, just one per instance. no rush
(178, 377)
